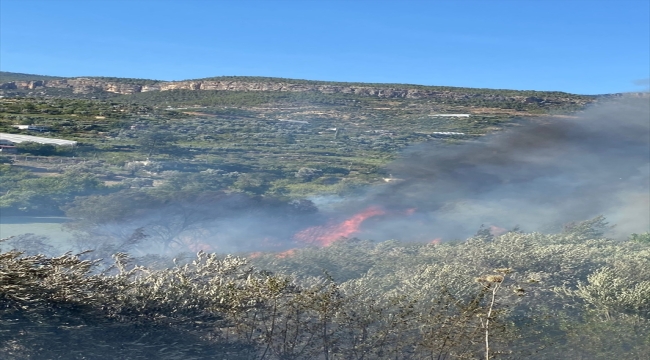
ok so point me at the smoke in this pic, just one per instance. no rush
(210, 221)
(643, 82)
(538, 176)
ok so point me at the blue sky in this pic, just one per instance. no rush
(578, 46)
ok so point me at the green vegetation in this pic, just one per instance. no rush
(25, 193)
(345, 142)
(38, 149)
(9, 76)
(517, 295)
(153, 168)
(475, 98)
(261, 140)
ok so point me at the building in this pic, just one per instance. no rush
(40, 128)
(451, 115)
(447, 133)
(8, 149)
(17, 139)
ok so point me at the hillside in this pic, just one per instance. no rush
(264, 136)
(6, 77)
(287, 173)
(13, 84)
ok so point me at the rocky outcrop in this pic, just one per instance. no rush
(90, 85)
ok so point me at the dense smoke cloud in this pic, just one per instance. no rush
(538, 176)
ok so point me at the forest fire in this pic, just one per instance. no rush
(327, 234)
(285, 254)
(196, 246)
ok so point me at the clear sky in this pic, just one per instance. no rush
(578, 46)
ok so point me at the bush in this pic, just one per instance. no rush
(34, 148)
(38, 149)
(508, 297)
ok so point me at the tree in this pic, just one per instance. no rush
(308, 174)
(155, 140)
(35, 148)
(251, 183)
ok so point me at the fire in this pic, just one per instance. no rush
(497, 231)
(285, 254)
(328, 234)
(197, 246)
(193, 243)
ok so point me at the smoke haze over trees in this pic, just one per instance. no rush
(527, 238)
(538, 175)
(533, 296)
(340, 180)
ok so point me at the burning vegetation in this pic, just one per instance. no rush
(310, 289)
(325, 235)
(516, 295)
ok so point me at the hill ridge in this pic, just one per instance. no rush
(125, 86)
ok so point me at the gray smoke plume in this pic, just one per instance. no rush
(539, 176)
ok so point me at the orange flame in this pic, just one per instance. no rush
(328, 234)
(285, 254)
(497, 231)
(196, 246)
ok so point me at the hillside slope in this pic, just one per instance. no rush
(13, 84)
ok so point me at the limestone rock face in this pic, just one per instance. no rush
(90, 85)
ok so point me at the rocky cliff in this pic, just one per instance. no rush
(90, 85)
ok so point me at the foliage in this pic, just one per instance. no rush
(155, 140)
(592, 228)
(516, 296)
(29, 244)
(641, 238)
(5, 160)
(169, 218)
(271, 138)
(572, 295)
(38, 149)
(6, 76)
(24, 193)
